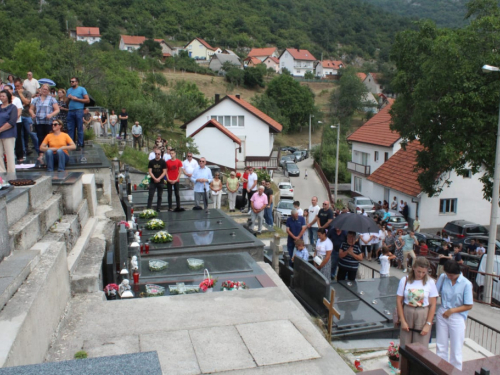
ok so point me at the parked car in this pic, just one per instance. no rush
(298, 156)
(284, 159)
(286, 190)
(463, 228)
(483, 239)
(292, 169)
(397, 221)
(432, 241)
(289, 149)
(357, 203)
(305, 154)
(285, 208)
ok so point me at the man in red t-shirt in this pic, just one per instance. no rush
(174, 170)
(244, 179)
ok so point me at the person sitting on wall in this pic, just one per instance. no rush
(55, 146)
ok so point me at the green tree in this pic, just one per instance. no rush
(445, 101)
(309, 75)
(253, 77)
(150, 48)
(235, 76)
(28, 55)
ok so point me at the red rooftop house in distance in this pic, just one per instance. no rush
(90, 35)
(199, 49)
(263, 53)
(329, 69)
(232, 133)
(297, 61)
(272, 63)
(251, 62)
(131, 43)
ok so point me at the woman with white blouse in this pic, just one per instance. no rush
(324, 248)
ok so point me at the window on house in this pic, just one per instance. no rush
(375, 156)
(364, 158)
(227, 121)
(357, 184)
(466, 174)
(241, 120)
(386, 156)
(448, 206)
(230, 121)
(190, 47)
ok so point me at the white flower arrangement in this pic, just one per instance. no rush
(148, 214)
(195, 264)
(157, 265)
(155, 224)
(161, 237)
(154, 290)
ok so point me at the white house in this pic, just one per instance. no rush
(297, 61)
(372, 145)
(253, 128)
(200, 50)
(90, 35)
(461, 200)
(372, 84)
(327, 68)
(263, 53)
(131, 43)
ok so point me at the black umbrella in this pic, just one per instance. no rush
(355, 223)
(91, 103)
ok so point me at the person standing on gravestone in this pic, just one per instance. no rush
(123, 124)
(295, 228)
(350, 255)
(258, 204)
(416, 304)
(456, 300)
(76, 98)
(157, 169)
(174, 170)
(201, 178)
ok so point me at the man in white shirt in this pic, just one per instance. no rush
(480, 250)
(394, 204)
(312, 225)
(31, 84)
(189, 166)
(151, 156)
(251, 186)
(296, 205)
(137, 134)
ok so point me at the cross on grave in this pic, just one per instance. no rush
(331, 310)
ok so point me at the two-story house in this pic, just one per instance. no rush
(199, 49)
(372, 84)
(297, 61)
(329, 68)
(130, 43)
(372, 145)
(263, 53)
(232, 133)
(90, 35)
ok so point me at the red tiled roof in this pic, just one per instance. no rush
(301, 54)
(376, 131)
(167, 55)
(253, 60)
(255, 52)
(134, 40)
(332, 64)
(272, 58)
(159, 40)
(268, 120)
(403, 161)
(205, 44)
(88, 31)
(361, 76)
(214, 123)
(375, 76)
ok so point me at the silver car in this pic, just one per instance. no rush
(285, 209)
(357, 203)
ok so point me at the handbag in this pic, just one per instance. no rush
(395, 315)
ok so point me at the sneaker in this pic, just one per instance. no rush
(405, 270)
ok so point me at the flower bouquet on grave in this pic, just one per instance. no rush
(181, 288)
(161, 237)
(233, 285)
(156, 265)
(145, 181)
(111, 290)
(155, 224)
(207, 285)
(195, 264)
(127, 225)
(154, 290)
(393, 354)
(148, 214)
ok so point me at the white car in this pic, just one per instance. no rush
(286, 190)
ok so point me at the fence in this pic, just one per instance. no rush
(486, 336)
(324, 180)
(367, 272)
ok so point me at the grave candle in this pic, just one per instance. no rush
(136, 277)
(135, 186)
(142, 248)
(147, 247)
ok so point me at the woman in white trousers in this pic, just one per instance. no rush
(456, 300)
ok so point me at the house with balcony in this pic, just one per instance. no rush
(233, 134)
(297, 61)
(372, 145)
(90, 35)
(199, 49)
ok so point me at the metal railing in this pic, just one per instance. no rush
(358, 168)
(486, 336)
(478, 280)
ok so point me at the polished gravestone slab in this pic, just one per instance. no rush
(182, 226)
(186, 215)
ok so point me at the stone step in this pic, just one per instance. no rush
(80, 245)
(30, 318)
(18, 204)
(33, 226)
(14, 270)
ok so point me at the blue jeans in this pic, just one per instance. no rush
(113, 130)
(268, 215)
(335, 262)
(60, 158)
(27, 121)
(75, 121)
(313, 236)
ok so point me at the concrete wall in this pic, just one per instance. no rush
(216, 147)
(253, 132)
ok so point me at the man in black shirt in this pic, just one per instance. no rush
(325, 216)
(444, 256)
(157, 170)
(123, 123)
(471, 248)
(337, 236)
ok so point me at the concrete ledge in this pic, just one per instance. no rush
(83, 213)
(40, 192)
(31, 317)
(90, 192)
(26, 232)
(72, 196)
(14, 270)
(81, 243)
(6, 240)
(49, 212)
(66, 230)
(87, 277)
(18, 206)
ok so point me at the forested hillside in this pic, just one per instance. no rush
(446, 13)
(318, 25)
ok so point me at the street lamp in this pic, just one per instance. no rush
(337, 161)
(490, 258)
(319, 122)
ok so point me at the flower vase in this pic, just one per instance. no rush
(394, 363)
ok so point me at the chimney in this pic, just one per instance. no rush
(217, 98)
(238, 96)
